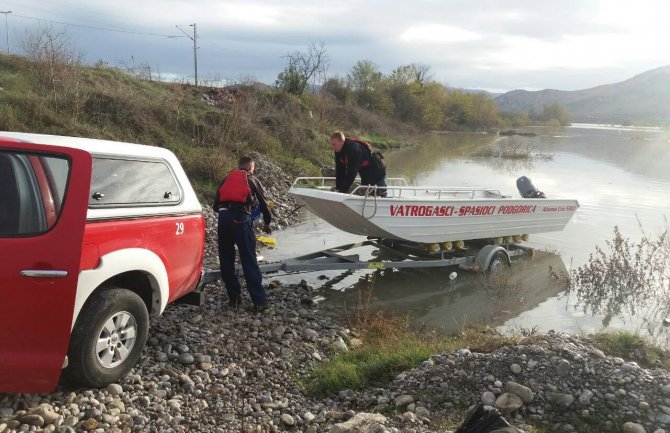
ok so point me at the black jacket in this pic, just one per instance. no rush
(356, 158)
(257, 194)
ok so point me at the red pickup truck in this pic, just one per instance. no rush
(96, 237)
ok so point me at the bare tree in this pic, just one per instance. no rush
(411, 73)
(303, 67)
(56, 65)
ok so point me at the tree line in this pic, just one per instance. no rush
(408, 93)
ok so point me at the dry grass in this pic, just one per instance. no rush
(627, 278)
(56, 94)
(632, 347)
(390, 347)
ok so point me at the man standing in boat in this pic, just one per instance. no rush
(354, 156)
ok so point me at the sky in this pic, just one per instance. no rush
(496, 45)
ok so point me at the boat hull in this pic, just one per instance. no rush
(430, 220)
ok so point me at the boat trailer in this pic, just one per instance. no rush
(391, 254)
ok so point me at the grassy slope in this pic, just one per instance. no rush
(109, 104)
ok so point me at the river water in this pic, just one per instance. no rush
(620, 176)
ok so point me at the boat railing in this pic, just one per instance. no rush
(326, 183)
(371, 193)
(439, 192)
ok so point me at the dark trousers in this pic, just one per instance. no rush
(380, 184)
(235, 228)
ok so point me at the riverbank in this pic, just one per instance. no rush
(213, 369)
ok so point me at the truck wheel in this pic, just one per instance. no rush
(498, 263)
(108, 338)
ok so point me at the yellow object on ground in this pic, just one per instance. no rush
(270, 242)
(447, 246)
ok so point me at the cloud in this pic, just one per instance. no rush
(488, 43)
(437, 34)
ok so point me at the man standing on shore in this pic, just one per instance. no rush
(238, 193)
(354, 156)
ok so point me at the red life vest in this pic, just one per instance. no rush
(235, 188)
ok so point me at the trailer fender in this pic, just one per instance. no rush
(486, 255)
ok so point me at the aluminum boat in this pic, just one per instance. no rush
(432, 214)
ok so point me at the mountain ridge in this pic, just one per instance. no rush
(644, 98)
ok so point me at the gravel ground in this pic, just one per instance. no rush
(211, 369)
(556, 380)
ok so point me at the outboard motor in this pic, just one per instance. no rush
(527, 189)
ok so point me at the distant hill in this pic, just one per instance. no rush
(645, 99)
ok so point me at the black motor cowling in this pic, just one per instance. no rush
(527, 189)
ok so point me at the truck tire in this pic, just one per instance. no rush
(108, 338)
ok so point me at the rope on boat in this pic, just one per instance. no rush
(365, 200)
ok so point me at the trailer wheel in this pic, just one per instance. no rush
(498, 263)
(108, 338)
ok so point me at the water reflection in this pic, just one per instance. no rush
(435, 149)
(431, 299)
(509, 166)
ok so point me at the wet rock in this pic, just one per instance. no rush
(508, 402)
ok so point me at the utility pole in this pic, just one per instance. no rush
(6, 28)
(194, 38)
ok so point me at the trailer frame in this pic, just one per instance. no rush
(392, 254)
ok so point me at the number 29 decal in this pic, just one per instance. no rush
(180, 228)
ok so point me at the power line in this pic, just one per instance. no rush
(106, 29)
